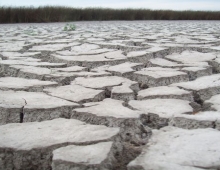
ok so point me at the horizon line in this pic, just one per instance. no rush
(101, 7)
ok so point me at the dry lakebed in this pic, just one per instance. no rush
(113, 95)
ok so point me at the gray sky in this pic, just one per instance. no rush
(150, 4)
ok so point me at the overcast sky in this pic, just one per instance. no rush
(150, 4)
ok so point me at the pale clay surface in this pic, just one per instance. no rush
(110, 108)
(23, 84)
(163, 107)
(34, 100)
(180, 149)
(49, 133)
(76, 93)
(163, 91)
(91, 154)
(89, 99)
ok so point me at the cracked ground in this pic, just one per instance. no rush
(134, 95)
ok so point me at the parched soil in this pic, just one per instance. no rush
(140, 95)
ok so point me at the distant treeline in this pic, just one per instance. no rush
(66, 14)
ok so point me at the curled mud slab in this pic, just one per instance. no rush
(23, 146)
(158, 76)
(113, 95)
(164, 92)
(21, 84)
(174, 148)
(76, 93)
(21, 106)
(97, 156)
